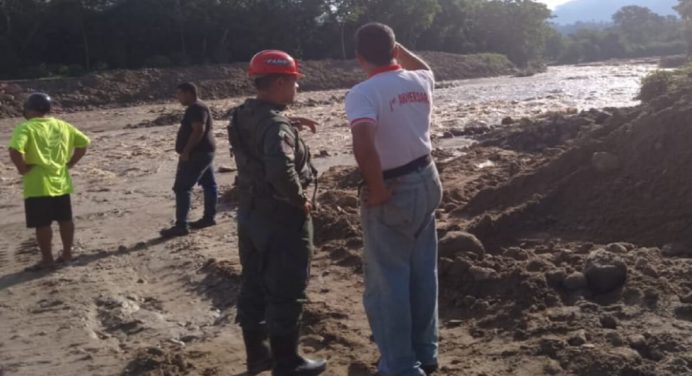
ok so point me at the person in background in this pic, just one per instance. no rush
(195, 146)
(44, 149)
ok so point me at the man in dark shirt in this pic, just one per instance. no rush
(195, 144)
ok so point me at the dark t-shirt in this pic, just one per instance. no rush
(195, 113)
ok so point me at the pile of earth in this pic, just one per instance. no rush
(164, 119)
(168, 361)
(592, 301)
(514, 148)
(337, 216)
(626, 180)
(120, 88)
(576, 308)
(578, 243)
(172, 117)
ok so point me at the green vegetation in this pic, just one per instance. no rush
(491, 62)
(636, 32)
(655, 85)
(41, 38)
(69, 37)
(666, 83)
(685, 9)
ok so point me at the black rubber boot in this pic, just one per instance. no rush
(259, 357)
(288, 362)
(429, 369)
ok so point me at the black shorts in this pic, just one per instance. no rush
(42, 211)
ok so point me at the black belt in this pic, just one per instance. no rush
(415, 165)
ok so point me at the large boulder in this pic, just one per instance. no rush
(575, 281)
(605, 271)
(457, 242)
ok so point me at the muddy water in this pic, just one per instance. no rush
(486, 101)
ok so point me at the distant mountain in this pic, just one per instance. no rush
(603, 10)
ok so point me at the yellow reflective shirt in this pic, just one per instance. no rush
(47, 144)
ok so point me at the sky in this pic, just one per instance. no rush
(553, 3)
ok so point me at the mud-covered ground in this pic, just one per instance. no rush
(577, 264)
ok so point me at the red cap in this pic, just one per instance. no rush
(273, 62)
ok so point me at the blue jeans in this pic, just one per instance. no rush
(198, 170)
(400, 267)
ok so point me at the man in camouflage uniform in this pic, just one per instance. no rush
(274, 218)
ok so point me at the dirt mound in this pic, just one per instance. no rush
(121, 87)
(551, 130)
(338, 215)
(168, 117)
(625, 179)
(154, 361)
(164, 119)
(526, 293)
(536, 298)
(11, 97)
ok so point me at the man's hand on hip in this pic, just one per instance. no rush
(376, 198)
(308, 207)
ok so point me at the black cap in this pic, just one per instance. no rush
(38, 102)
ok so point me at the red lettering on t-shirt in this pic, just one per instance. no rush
(410, 97)
(413, 97)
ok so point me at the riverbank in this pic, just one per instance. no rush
(123, 88)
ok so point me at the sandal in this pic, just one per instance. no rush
(61, 260)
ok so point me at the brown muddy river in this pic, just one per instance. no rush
(488, 100)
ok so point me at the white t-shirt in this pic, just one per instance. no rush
(398, 103)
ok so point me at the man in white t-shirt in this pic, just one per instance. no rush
(390, 116)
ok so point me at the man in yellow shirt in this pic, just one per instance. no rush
(43, 149)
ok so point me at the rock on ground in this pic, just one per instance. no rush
(605, 271)
(459, 242)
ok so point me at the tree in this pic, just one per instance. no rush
(517, 28)
(684, 8)
(453, 26)
(555, 44)
(345, 14)
(637, 24)
(43, 37)
(408, 18)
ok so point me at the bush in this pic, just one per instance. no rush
(676, 61)
(62, 70)
(76, 70)
(658, 49)
(157, 61)
(36, 71)
(655, 85)
(101, 66)
(492, 62)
